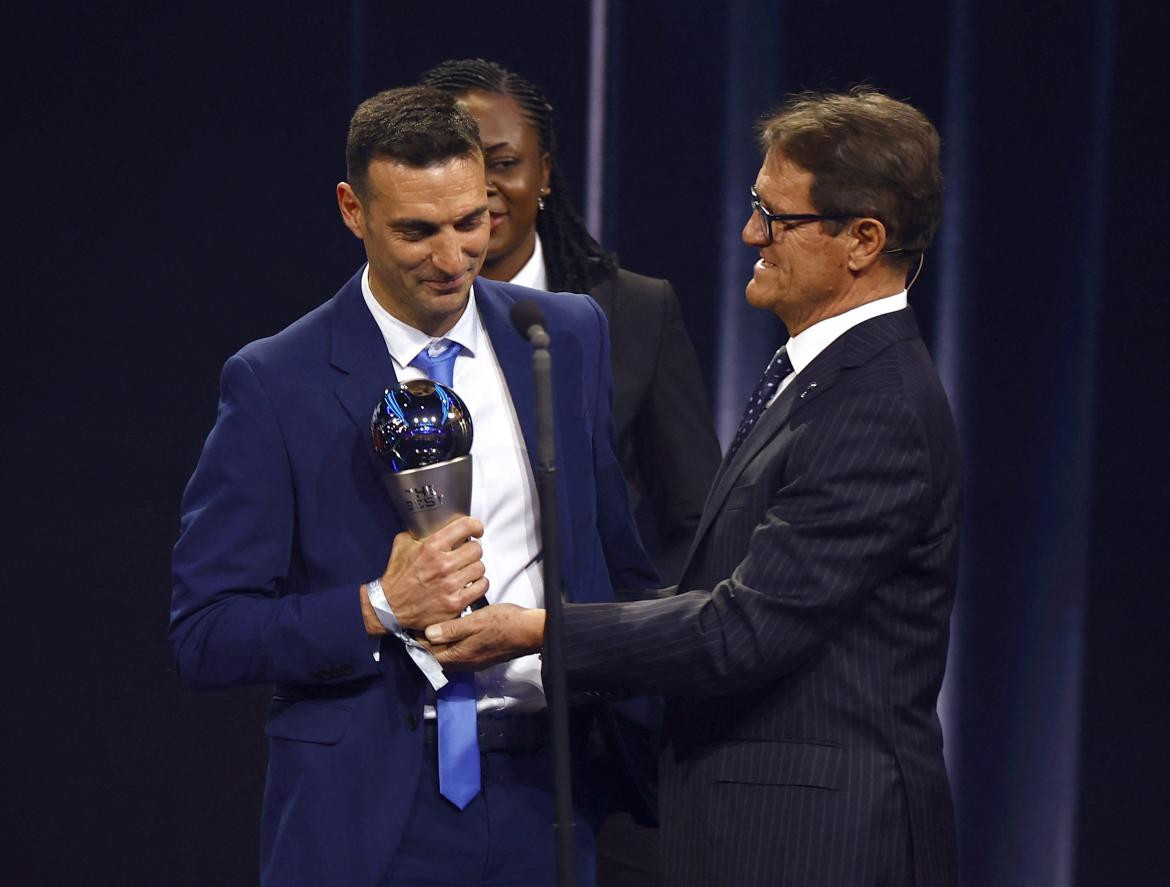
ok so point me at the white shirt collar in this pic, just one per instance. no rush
(405, 342)
(804, 347)
(534, 274)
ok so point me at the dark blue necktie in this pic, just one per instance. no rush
(459, 778)
(778, 367)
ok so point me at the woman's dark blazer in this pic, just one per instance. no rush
(665, 438)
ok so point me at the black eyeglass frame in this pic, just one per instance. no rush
(803, 218)
(790, 219)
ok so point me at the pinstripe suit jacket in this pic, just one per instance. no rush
(802, 655)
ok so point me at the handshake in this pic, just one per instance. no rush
(429, 582)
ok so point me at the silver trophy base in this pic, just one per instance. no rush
(430, 497)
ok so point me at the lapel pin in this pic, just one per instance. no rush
(807, 390)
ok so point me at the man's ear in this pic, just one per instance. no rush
(869, 241)
(352, 211)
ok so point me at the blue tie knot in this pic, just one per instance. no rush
(437, 360)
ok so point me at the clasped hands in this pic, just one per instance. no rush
(429, 582)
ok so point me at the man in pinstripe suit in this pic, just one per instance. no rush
(802, 652)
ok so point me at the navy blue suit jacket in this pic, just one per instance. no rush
(285, 517)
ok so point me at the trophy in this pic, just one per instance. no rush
(422, 432)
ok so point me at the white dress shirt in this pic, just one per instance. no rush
(534, 274)
(503, 490)
(804, 347)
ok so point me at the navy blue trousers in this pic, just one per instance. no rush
(503, 837)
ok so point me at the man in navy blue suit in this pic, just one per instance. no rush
(292, 567)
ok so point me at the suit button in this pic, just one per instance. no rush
(412, 721)
(347, 669)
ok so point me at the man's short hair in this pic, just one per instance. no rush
(869, 155)
(414, 125)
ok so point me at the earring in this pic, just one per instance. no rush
(540, 202)
(540, 195)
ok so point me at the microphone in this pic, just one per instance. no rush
(528, 320)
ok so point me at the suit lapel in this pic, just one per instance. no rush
(807, 385)
(854, 347)
(514, 356)
(358, 350)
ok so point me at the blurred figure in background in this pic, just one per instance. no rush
(665, 438)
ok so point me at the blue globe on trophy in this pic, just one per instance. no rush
(419, 423)
(422, 432)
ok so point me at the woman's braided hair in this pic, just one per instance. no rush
(571, 254)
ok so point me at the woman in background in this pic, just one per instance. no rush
(665, 439)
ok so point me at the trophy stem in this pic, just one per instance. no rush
(427, 498)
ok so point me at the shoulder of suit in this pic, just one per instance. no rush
(630, 285)
(636, 299)
(885, 353)
(862, 342)
(558, 308)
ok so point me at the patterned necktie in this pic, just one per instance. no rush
(459, 779)
(779, 367)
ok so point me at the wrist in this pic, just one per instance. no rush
(376, 613)
(534, 621)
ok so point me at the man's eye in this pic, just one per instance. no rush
(471, 223)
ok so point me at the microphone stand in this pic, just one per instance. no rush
(555, 688)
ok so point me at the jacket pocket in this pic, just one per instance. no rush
(812, 764)
(306, 721)
(739, 497)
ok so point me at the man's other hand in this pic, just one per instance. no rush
(485, 637)
(433, 579)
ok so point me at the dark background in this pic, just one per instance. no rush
(170, 172)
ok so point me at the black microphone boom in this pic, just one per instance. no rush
(529, 322)
(528, 319)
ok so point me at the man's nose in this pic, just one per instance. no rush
(448, 256)
(753, 233)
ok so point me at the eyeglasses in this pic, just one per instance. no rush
(789, 220)
(792, 220)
